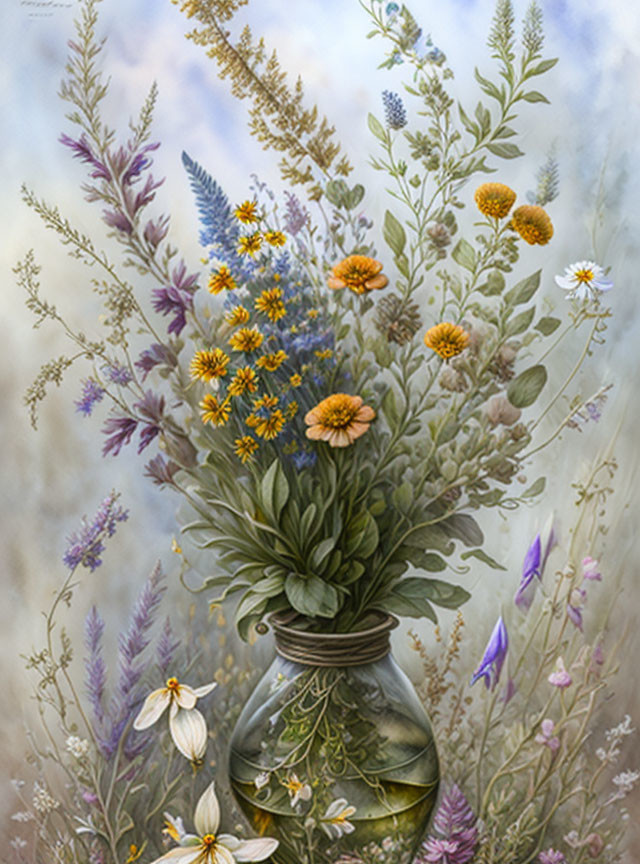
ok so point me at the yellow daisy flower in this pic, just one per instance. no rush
(270, 427)
(275, 238)
(326, 354)
(339, 420)
(246, 339)
(222, 280)
(215, 411)
(246, 212)
(313, 313)
(250, 244)
(271, 362)
(244, 381)
(270, 302)
(533, 224)
(494, 199)
(446, 339)
(265, 401)
(252, 421)
(207, 365)
(245, 447)
(292, 410)
(236, 316)
(295, 380)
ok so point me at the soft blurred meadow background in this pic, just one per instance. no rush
(55, 475)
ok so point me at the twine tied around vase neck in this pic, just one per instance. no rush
(334, 649)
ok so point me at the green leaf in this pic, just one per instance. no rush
(402, 496)
(547, 325)
(520, 322)
(390, 408)
(354, 196)
(464, 255)
(504, 149)
(251, 604)
(536, 489)
(463, 527)
(443, 593)
(394, 233)
(429, 561)
(337, 192)
(481, 555)
(542, 67)
(494, 285)
(534, 96)
(468, 124)
(527, 386)
(407, 599)
(430, 537)
(524, 290)
(376, 127)
(269, 587)
(311, 596)
(489, 88)
(483, 116)
(321, 552)
(306, 523)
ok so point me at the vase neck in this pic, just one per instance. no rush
(335, 649)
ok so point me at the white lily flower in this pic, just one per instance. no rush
(189, 733)
(335, 820)
(173, 695)
(209, 847)
(584, 281)
(298, 791)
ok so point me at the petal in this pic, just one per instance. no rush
(229, 841)
(205, 689)
(189, 732)
(347, 827)
(311, 417)
(207, 815)
(335, 283)
(335, 808)
(181, 855)
(222, 855)
(379, 281)
(153, 708)
(567, 283)
(338, 438)
(186, 697)
(255, 850)
(365, 413)
(355, 430)
(315, 432)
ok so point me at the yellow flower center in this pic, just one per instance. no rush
(172, 684)
(584, 276)
(293, 786)
(338, 411)
(209, 840)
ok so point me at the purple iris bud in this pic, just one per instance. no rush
(494, 656)
(534, 563)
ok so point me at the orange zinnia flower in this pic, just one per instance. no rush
(358, 273)
(494, 199)
(533, 224)
(446, 339)
(339, 420)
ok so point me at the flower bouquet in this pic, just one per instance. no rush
(332, 405)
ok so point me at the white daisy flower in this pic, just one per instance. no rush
(298, 791)
(335, 820)
(584, 281)
(209, 847)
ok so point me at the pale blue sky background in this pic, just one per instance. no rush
(52, 477)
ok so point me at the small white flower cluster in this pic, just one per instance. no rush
(18, 843)
(42, 801)
(625, 782)
(614, 737)
(78, 747)
(22, 816)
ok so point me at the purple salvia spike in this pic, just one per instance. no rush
(167, 647)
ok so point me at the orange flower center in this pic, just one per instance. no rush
(584, 276)
(338, 411)
(172, 684)
(209, 840)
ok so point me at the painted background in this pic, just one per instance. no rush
(51, 477)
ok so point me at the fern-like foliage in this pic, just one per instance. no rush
(277, 117)
(220, 232)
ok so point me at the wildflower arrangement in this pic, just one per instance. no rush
(333, 410)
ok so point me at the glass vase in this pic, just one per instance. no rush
(334, 754)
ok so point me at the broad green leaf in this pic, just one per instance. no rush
(307, 522)
(402, 496)
(390, 408)
(394, 233)
(354, 196)
(481, 555)
(494, 285)
(376, 127)
(311, 596)
(536, 488)
(520, 323)
(523, 291)
(408, 600)
(504, 149)
(320, 553)
(464, 255)
(547, 325)
(463, 527)
(527, 386)
(337, 192)
(429, 561)
(430, 537)
(251, 604)
(541, 67)
(534, 96)
(443, 593)
(269, 587)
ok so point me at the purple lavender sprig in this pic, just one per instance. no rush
(167, 646)
(87, 544)
(96, 673)
(456, 822)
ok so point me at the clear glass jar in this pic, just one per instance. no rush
(333, 754)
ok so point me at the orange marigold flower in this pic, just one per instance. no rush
(532, 223)
(494, 199)
(246, 339)
(446, 339)
(271, 426)
(244, 381)
(215, 411)
(246, 212)
(271, 362)
(339, 420)
(222, 280)
(236, 316)
(270, 302)
(275, 238)
(358, 273)
(245, 447)
(207, 365)
(251, 244)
